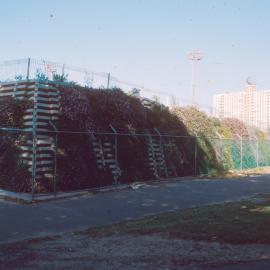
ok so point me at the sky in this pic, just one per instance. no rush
(146, 41)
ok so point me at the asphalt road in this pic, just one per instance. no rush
(20, 221)
(257, 265)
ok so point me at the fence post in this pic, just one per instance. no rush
(28, 69)
(222, 151)
(34, 142)
(108, 80)
(220, 138)
(241, 152)
(257, 152)
(63, 71)
(55, 159)
(195, 155)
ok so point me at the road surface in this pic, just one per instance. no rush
(21, 221)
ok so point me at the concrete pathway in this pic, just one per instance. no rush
(20, 221)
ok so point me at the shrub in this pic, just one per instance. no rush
(14, 174)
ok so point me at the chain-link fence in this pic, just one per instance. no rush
(64, 161)
(86, 160)
(100, 159)
(43, 70)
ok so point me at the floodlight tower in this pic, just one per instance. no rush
(195, 56)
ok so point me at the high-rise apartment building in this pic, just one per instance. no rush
(250, 106)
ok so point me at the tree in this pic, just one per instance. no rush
(41, 76)
(60, 77)
(18, 77)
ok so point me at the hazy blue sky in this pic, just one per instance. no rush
(146, 41)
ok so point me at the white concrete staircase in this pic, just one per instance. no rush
(156, 157)
(104, 151)
(38, 143)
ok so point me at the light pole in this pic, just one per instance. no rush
(195, 56)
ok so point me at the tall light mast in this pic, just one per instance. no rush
(195, 56)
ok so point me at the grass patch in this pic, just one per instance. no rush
(235, 223)
(253, 171)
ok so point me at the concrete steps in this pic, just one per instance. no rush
(37, 146)
(104, 151)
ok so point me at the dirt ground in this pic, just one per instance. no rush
(128, 251)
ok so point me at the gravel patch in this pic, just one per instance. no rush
(157, 251)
